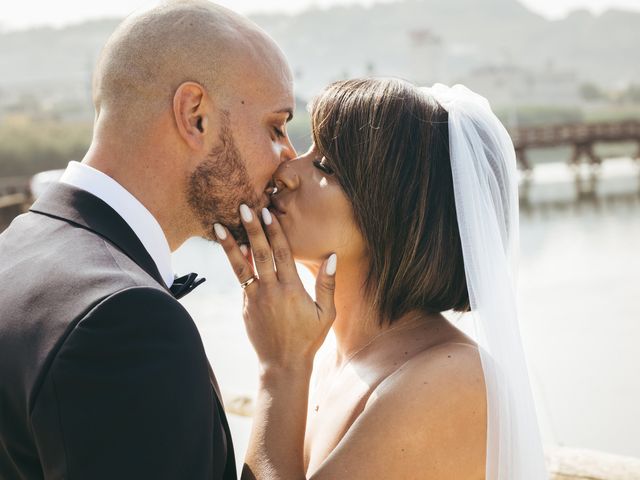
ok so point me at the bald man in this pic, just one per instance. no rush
(103, 374)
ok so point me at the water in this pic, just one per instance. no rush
(579, 287)
(580, 316)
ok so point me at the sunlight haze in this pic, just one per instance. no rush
(25, 14)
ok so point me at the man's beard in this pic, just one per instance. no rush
(219, 185)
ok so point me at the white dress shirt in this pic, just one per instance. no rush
(141, 221)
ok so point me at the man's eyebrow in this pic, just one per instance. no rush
(286, 110)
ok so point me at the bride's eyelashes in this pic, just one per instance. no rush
(322, 165)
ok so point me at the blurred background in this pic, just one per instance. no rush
(564, 77)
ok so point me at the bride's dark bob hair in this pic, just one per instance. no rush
(388, 144)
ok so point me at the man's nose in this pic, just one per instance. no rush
(289, 151)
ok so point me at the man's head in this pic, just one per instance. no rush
(197, 97)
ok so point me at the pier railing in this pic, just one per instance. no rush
(581, 136)
(584, 175)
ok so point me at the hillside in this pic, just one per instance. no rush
(323, 45)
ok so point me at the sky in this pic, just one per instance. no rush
(20, 14)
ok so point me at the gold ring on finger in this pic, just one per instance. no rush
(248, 282)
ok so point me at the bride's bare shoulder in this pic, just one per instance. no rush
(450, 373)
(450, 364)
(427, 420)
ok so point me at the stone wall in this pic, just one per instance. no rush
(11, 206)
(575, 464)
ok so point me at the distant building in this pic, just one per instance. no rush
(513, 85)
(427, 57)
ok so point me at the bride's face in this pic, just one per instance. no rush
(313, 210)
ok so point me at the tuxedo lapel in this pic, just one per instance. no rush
(85, 210)
(230, 468)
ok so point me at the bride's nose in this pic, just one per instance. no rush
(287, 176)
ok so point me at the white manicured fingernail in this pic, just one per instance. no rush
(266, 216)
(244, 249)
(220, 233)
(246, 214)
(331, 264)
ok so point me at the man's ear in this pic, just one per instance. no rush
(191, 109)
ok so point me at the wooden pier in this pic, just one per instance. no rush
(582, 137)
(583, 176)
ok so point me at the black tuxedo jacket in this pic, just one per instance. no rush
(103, 374)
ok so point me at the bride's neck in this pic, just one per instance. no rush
(356, 324)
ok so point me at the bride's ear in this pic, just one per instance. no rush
(191, 110)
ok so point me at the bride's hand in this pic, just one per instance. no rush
(284, 324)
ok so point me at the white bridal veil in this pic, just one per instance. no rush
(483, 165)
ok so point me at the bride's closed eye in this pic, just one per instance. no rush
(322, 165)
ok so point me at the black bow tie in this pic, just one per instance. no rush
(185, 284)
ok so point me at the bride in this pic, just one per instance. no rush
(411, 193)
